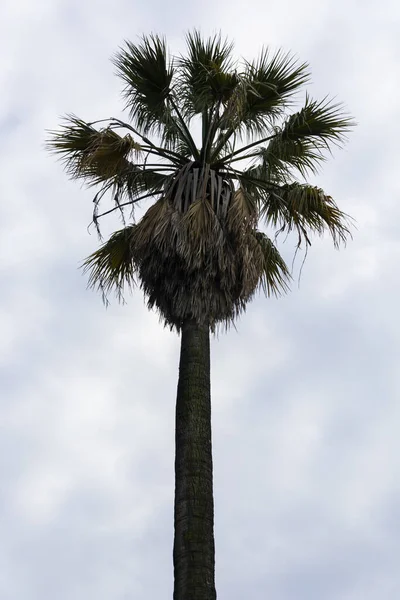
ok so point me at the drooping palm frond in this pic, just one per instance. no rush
(190, 264)
(91, 154)
(243, 209)
(305, 209)
(111, 268)
(275, 276)
(114, 163)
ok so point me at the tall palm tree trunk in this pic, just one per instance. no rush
(194, 555)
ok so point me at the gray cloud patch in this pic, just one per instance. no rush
(305, 395)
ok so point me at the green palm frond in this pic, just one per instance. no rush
(284, 156)
(320, 123)
(264, 90)
(111, 267)
(109, 161)
(275, 276)
(305, 209)
(148, 77)
(257, 181)
(205, 74)
(147, 74)
(271, 82)
(90, 154)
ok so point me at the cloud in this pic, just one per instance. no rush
(305, 393)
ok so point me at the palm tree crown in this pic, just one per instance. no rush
(210, 140)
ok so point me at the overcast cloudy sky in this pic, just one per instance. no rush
(306, 393)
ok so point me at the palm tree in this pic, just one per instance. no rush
(209, 141)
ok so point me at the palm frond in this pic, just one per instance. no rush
(257, 181)
(111, 267)
(283, 156)
(305, 209)
(130, 185)
(270, 83)
(274, 276)
(107, 160)
(321, 123)
(147, 74)
(205, 74)
(243, 210)
(90, 154)
(191, 266)
(263, 91)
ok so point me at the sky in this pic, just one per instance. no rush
(306, 391)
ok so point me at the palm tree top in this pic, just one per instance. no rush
(216, 143)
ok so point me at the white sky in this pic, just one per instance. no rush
(306, 394)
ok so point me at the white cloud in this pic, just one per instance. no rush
(305, 394)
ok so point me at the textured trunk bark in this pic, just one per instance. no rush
(194, 555)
